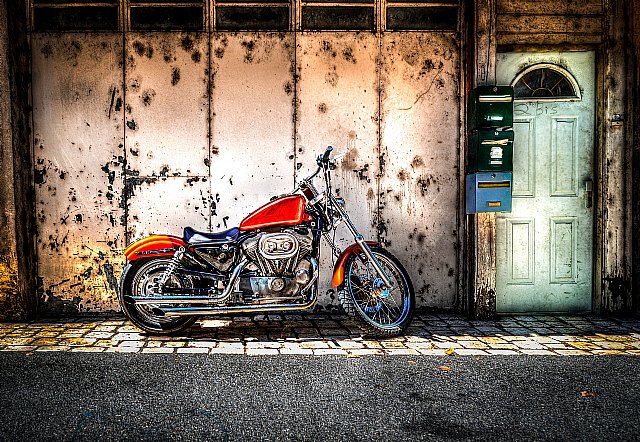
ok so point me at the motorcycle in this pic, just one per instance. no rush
(268, 263)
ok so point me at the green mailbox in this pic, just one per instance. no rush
(490, 106)
(490, 150)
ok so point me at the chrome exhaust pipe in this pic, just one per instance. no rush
(168, 299)
(207, 311)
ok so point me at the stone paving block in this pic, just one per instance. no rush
(120, 336)
(401, 351)
(16, 341)
(136, 344)
(197, 350)
(502, 352)
(314, 344)
(608, 352)
(447, 345)
(106, 343)
(534, 352)
(366, 352)
(608, 345)
(492, 340)
(413, 338)
(474, 344)
(176, 344)
(105, 328)
(349, 344)
(45, 342)
(220, 350)
(295, 350)
(77, 342)
(572, 352)
(583, 345)
(53, 348)
(392, 344)
(87, 349)
(470, 352)
(19, 348)
(420, 345)
(203, 344)
(99, 335)
(262, 345)
(122, 350)
(262, 351)
(329, 351)
(128, 329)
(158, 350)
(66, 335)
(432, 351)
(529, 345)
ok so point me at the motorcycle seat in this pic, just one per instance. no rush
(193, 236)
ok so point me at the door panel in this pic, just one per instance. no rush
(544, 246)
(78, 154)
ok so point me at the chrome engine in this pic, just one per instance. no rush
(281, 270)
(277, 254)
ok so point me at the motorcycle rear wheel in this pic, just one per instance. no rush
(382, 312)
(138, 282)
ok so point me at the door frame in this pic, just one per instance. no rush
(613, 195)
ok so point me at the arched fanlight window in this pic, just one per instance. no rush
(545, 82)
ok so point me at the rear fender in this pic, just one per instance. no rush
(338, 270)
(154, 246)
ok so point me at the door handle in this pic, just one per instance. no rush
(588, 193)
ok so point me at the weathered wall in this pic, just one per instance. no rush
(616, 160)
(165, 129)
(481, 227)
(548, 22)
(17, 266)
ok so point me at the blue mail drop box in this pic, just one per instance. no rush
(489, 192)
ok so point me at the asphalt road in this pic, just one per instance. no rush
(73, 396)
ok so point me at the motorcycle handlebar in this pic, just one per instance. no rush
(327, 152)
(324, 159)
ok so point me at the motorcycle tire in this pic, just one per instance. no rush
(381, 312)
(136, 283)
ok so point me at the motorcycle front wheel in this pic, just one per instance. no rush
(383, 312)
(141, 281)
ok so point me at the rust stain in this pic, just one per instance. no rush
(147, 96)
(417, 162)
(175, 75)
(349, 160)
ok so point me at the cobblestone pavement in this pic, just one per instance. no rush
(313, 334)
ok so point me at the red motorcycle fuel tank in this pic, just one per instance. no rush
(284, 211)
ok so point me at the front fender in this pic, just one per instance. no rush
(338, 270)
(154, 245)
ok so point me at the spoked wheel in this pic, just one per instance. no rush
(143, 281)
(383, 311)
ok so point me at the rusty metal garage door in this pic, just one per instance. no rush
(149, 116)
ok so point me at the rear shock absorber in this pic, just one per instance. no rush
(173, 264)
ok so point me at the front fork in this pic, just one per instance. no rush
(362, 243)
